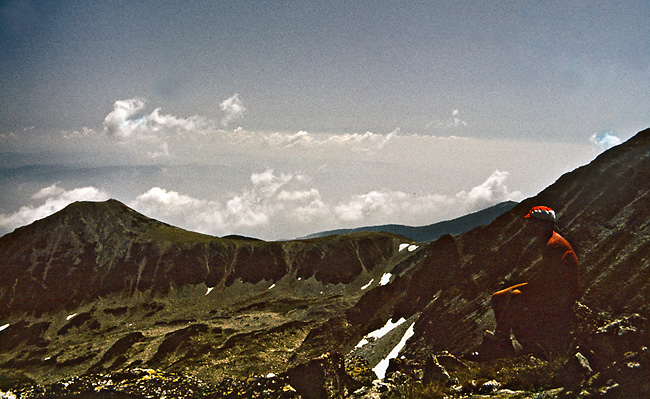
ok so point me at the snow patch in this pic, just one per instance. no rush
(385, 279)
(403, 247)
(412, 247)
(71, 316)
(380, 332)
(209, 290)
(272, 286)
(7, 395)
(4, 327)
(380, 368)
(367, 285)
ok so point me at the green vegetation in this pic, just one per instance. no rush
(166, 233)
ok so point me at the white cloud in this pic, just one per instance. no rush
(389, 205)
(288, 140)
(456, 121)
(452, 122)
(268, 200)
(180, 209)
(128, 122)
(233, 109)
(278, 204)
(355, 142)
(159, 135)
(157, 122)
(47, 192)
(373, 202)
(85, 132)
(605, 140)
(490, 192)
(387, 138)
(276, 201)
(125, 119)
(8, 136)
(161, 152)
(56, 198)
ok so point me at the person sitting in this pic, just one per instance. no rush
(539, 312)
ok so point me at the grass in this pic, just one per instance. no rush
(178, 235)
(523, 373)
(417, 390)
(526, 373)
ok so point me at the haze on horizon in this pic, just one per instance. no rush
(279, 119)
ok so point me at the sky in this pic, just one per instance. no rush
(278, 119)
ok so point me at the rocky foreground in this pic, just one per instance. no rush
(608, 358)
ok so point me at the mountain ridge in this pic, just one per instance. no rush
(432, 232)
(135, 253)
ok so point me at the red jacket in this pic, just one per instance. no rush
(557, 277)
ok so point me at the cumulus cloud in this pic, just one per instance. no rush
(125, 119)
(183, 210)
(388, 205)
(605, 140)
(128, 119)
(129, 122)
(490, 192)
(48, 192)
(277, 200)
(55, 198)
(233, 109)
(269, 199)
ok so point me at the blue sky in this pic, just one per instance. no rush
(277, 119)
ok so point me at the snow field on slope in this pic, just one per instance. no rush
(380, 368)
(380, 332)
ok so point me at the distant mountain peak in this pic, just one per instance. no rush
(433, 231)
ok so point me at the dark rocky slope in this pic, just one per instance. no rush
(98, 287)
(603, 210)
(89, 250)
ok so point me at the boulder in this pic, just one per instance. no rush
(321, 378)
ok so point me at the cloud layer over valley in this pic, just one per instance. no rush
(276, 204)
(194, 173)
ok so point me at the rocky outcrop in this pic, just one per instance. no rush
(322, 378)
(603, 210)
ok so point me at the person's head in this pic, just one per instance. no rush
(540, 220)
